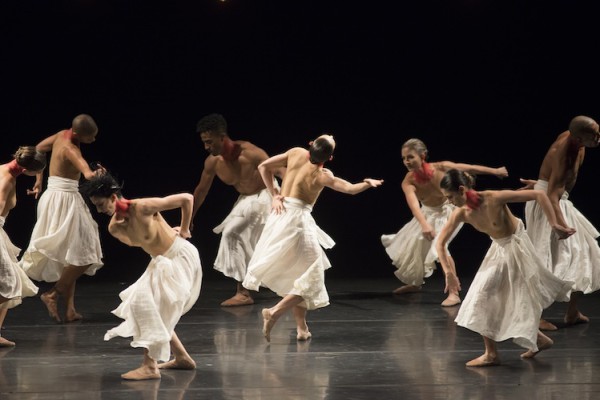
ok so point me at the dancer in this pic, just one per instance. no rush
(153, 305)
(511, 287)
(65, 242)
(14, 283)
(412, 249)
(578, 258)
(288, 258)
(234, 163)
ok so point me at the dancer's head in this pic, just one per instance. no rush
(321, 149)
(31, 160)
(103, 191)
(85, 128)
(213, 131)
(414, 153)
(585, 130)
(455, 184)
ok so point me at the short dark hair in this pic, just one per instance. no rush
(84, 125)
(320, 150)
(103, 185)
(213, 123)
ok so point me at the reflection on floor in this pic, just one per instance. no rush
(367, 344)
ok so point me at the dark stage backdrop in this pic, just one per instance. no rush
(479, 81)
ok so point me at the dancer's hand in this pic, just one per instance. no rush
(529, 184)
(452, 283)
(562, 232)
(184, 233)
(35, 191)
(428, 232)
(277, 204)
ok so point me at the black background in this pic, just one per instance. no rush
(478, 81)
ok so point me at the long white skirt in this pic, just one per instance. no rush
(152, 306)
(412, 254)
(240, 231)
(14, 282)
(289, 256)
(64, 234)
(509, 292)
(576, 258)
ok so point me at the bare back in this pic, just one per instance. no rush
(562, 162)
(148, 231)
(60, 162)
(8, 191)
(302, 179)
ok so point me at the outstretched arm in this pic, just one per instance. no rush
(473, 169)
(343, 186)
(452, 282)
(519, 196)
(153, 205)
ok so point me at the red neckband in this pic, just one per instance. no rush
(425, 175)
(15, 169)
(122, 206)
(70, 136)
(231, 150)
(473, 199)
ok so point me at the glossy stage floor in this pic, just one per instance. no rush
(368, 344)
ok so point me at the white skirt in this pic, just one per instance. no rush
(64, 234)
(509, 292)
(240, 231)
(14, 282)
(412, 254)
(289, 256)
(152, 306)
(576, 258)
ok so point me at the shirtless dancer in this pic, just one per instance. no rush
(288, 258)
(412, 249)
(14, 283)
(153, 305)
(576, 259)
(65, 242)
(512, 286)
(235, 163)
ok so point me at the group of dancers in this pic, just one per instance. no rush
(270, 239)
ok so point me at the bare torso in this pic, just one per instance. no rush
(491, 217)
(302, 179)
(60, 165)
(150, 232)
(565, 156)
(8, 183)
(242, 173)
(428, 193)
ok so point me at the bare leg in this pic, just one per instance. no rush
(148, 370)
(3, 311)
(574, 316)
(270, 315)
(453, 297)
(547, 326)
(302, 332)
(543, 343)
(489, 358)
(66, 286)
(241, 298)
(182, 359)
(407, 289)
(50, 299)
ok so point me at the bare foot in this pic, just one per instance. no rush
(547, 326)
(268, 323)
(579, 318)
(303, 335)
(484, 361)
(51, 304)
(185, 363)
(6, 343)
(451, 300)
(407, 289)
(239, 299)
(73, 316)
(141, 373)
(543, 343)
